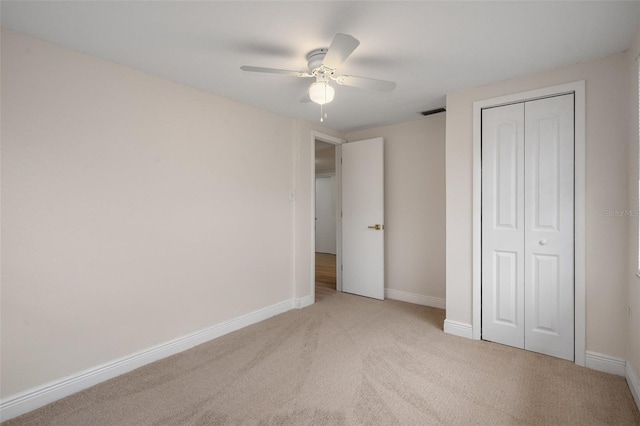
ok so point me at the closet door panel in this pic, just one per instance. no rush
(549, 226)
(503, 225)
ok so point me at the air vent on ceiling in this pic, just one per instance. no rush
(433, 111)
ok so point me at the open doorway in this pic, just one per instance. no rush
(326, 221)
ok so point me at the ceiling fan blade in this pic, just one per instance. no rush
(366, 83)
(341, 47)
(275, 71)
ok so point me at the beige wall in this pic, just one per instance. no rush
(133, 211)
(414, 204)
(633, 348)
(606, 189)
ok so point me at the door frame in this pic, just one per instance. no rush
(578, 89)
(315, 135)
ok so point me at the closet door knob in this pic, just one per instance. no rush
(542, 242)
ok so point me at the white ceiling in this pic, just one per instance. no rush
(429, 48)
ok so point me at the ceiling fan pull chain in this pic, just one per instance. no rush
(323, 114)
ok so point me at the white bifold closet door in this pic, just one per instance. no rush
(528, 225)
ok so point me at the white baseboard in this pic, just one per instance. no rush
(31, 399)
(303, 302)
(414, 298)
(458, 329)
(607, 363)
(634, 384)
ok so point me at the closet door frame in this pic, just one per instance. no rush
(578, 89)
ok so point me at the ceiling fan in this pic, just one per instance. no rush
(322, 64)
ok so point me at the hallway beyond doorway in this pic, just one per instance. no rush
(325, 275)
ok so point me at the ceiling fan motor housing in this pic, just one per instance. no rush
(315, 58)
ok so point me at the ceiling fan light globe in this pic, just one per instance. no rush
(321, 93)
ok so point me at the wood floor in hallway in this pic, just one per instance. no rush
(325, 275)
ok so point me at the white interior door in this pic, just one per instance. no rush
(326, 214)
(549, 226)
(363, 218)
(503, 225)
(527, 225)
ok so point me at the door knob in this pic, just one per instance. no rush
(542, 242)
(377, 227)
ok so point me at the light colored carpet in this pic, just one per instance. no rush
(349, 360)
